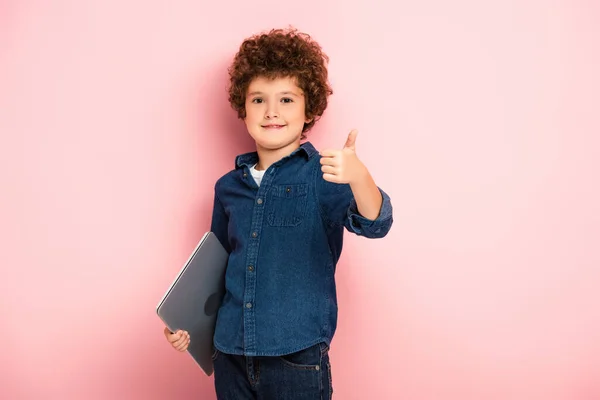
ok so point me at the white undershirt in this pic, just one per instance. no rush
(257, 175)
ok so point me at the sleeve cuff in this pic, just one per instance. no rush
(369, 227)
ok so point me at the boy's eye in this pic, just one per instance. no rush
(257, 100)
(287, 100)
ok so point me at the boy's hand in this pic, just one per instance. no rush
(180, 340)
(343, 166)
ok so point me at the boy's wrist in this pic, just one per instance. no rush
(360, 175)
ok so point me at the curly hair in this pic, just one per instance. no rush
(277, 54)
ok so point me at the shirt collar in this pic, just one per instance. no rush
(249, 159)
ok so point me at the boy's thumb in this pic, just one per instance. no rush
(351, 141)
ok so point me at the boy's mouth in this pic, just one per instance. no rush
(273, 126)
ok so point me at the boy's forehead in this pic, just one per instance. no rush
(279, 84)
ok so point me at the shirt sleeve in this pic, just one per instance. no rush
(220, 223)
(338, 208)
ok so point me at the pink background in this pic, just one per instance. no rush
(481, 121)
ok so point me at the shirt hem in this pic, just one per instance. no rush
(272, 353)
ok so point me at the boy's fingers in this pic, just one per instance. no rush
(185, 337)
(329, 153)
(181, 341)
(351, 141)
(328, 169)
(330, 178)
(182, 346)
(177, 338)
(174, 337)
(328, 161)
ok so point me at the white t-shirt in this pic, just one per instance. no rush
(257, 175)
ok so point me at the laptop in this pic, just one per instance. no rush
(192, 301)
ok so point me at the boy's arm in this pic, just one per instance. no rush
(220, 223)
(369, 211)
(366, 194)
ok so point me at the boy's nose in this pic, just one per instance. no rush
(272, 113)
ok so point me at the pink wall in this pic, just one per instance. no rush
(481, 121)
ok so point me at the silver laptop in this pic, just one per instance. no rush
(193, 299)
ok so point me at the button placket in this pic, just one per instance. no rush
(249, 306)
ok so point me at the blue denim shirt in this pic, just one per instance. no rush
(284, 240)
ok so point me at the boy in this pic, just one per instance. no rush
(281, 215)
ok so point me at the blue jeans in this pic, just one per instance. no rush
(305, 375)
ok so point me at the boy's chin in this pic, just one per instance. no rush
(276, 143)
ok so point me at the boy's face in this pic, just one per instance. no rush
(275, 112)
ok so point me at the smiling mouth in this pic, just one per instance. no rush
(273, 126)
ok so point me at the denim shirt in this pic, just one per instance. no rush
(284, 240)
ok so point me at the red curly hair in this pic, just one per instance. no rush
(278, 54)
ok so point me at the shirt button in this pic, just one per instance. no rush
(245, 174)
(248, 305)
(250, 268)
(254, 234)
(259, 201)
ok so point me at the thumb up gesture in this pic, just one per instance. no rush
(342, 166)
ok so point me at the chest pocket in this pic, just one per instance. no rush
(287, 204)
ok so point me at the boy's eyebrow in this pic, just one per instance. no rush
(286, 92)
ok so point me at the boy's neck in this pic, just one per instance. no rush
(267, 157)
